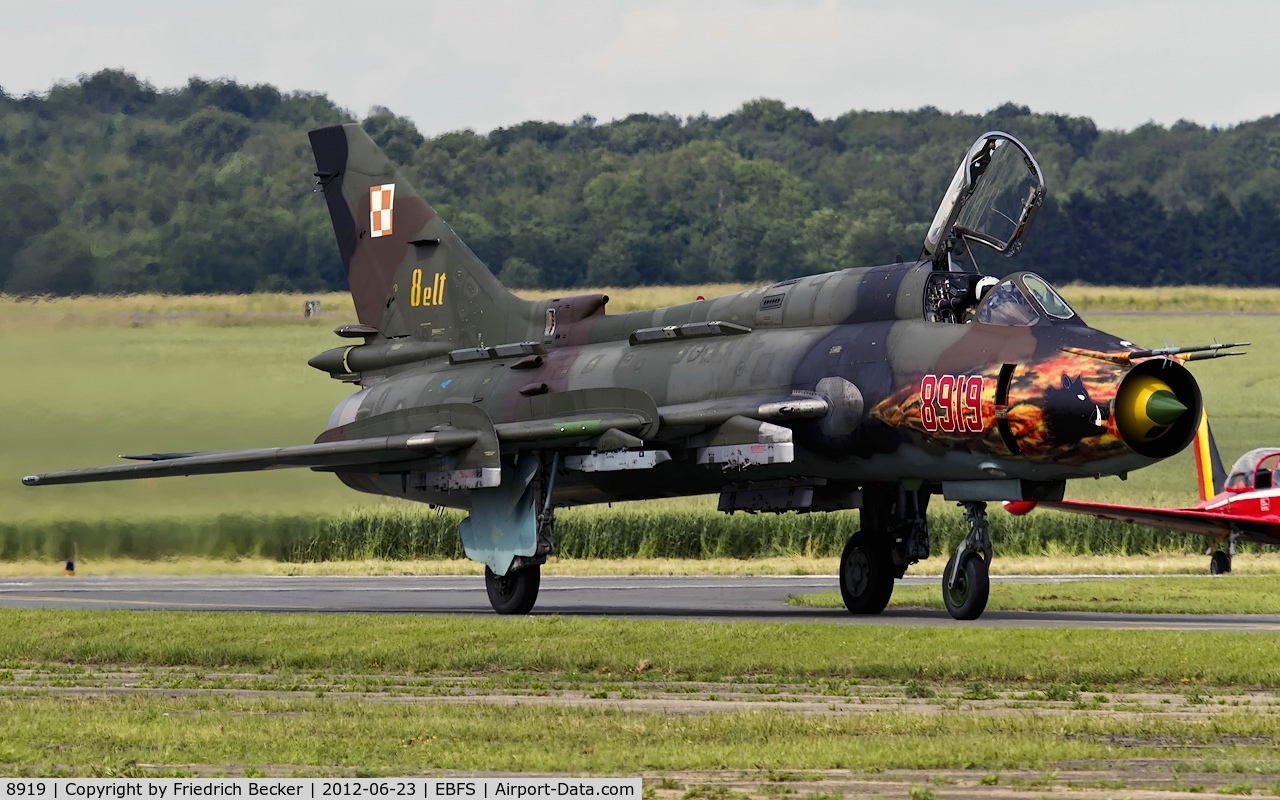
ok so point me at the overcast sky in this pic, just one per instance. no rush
(482, 64)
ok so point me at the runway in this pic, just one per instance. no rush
(761, 599)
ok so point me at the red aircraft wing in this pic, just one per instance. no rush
(1190, 520)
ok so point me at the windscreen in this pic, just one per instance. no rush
(1007, 305)
(1047, 297)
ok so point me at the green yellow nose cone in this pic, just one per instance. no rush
(1163, 408)
(1146, 407)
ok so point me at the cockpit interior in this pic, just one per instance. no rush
(1022, 299)
(1254, 471)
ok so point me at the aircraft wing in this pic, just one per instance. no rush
(566, 420)
(323, 455)
(1189, 520)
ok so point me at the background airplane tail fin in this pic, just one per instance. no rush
(409, 273)
(1210, 474)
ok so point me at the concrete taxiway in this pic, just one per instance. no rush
(761, 599)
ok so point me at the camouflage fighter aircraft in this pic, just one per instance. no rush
(873, 388)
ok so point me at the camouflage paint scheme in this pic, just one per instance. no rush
(839, 382)
(865, 326)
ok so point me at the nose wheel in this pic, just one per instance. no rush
(966, 596)
(966, 583)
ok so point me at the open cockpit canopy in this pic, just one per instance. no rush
(1254, 470)
(992, 200)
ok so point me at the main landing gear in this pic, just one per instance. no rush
(966, 584)
(1219, 563)
(866, 574)
(1220, 560)
(516, 592)
(894, 534)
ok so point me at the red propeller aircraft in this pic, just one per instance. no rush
(1241, 506)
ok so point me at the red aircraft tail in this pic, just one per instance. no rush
(1210, 474)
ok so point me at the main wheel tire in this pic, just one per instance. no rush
(1219, 563)
(967, 599)
(866, 576)
(515, 592)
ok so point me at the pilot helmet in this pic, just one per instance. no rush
(985, 284)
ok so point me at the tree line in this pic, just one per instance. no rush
(115, 186)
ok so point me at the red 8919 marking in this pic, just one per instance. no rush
(951, 403)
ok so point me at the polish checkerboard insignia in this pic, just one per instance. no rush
(381, 201)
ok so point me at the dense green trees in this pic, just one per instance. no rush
(113, 186)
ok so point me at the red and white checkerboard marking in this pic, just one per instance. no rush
(381, 201)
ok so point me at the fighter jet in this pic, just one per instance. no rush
(874, 388)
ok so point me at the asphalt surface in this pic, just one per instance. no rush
(697, 598)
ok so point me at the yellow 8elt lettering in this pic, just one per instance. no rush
(420, 295)
(415, 289)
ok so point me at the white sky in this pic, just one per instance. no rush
(482, 64)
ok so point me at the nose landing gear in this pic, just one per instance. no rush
(966, 583)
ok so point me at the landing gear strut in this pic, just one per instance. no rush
(894, 534)
(966, 583)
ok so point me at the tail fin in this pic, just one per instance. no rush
(409, 273)
(1210, 474)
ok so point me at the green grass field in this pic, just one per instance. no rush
(520, 651)
(322, 736)
(111, 693)
(96, 377)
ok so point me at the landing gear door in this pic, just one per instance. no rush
(992, 200)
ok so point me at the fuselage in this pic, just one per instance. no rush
(1250, 493)
(963, 399)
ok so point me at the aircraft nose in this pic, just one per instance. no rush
(1163, 407)
(1146, 407)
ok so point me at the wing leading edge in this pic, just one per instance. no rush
(325, 455)
(1188, 520)
(555, 427)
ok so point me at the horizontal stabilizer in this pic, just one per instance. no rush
(326, 455)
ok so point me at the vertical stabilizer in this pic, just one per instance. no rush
(1210, 474)
(409, 273)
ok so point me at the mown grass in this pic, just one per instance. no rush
(1237, 594)
(60, 735)
(534, 648)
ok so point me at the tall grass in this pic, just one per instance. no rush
(401, 534)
